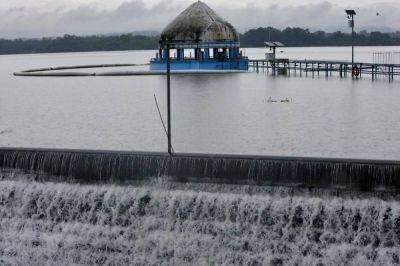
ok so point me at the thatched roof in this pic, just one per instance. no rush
(199, 23)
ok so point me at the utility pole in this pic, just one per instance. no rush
(350, 16)
(170, 152)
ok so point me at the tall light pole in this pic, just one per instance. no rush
(350, 16)
(170, 150)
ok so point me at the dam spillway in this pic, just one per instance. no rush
(64, 224)
(121, 166)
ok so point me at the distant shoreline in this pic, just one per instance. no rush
(254, 38)
(132, 50)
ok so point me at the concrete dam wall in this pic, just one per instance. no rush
(118, 166)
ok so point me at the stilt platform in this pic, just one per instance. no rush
(312, 68)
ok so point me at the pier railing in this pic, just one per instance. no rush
(327, 68)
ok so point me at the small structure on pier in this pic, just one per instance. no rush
(201, 40)
(270, 56)
(279, 66)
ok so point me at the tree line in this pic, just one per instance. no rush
(303, 37)
(70, 43)
(252, 38)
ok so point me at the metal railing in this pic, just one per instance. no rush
(386, 58)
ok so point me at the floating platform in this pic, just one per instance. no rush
(122, 166)
(204, 64)
(61, 71)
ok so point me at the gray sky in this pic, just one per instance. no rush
(37, 18)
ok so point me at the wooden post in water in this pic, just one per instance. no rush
(169, 100)
(306, 69)
(326, 70)
(375, 71)
(372, 72)
(273, 68)
(312, 66)
(301, 74)
(392, 72)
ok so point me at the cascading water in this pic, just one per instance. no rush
(172, 223)
(104, 166)
(141, 217)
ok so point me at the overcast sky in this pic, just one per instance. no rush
(37, 18)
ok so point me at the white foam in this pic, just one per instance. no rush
(45, 223)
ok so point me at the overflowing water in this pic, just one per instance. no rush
(114, 166)
(159, 223)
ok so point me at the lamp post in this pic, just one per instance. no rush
(170, 150)
(350, 16)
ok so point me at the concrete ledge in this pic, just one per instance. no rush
(121, 166)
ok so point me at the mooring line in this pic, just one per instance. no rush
(162, 120)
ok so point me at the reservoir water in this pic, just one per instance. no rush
(211, 114)
(163, 222)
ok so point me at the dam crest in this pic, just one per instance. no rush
(119, 166)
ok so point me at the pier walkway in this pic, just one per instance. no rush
(328, 68)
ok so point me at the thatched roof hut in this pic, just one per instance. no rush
(200, 39)
(199, 23)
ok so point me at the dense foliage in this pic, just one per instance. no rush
(252, 38)
(303, 37)
(69, 43)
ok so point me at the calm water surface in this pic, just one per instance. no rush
(211, 113)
